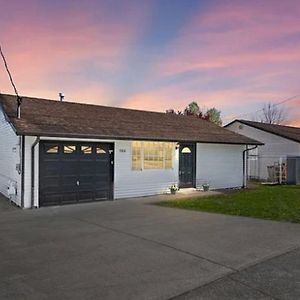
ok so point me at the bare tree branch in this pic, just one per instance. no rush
(273, 114)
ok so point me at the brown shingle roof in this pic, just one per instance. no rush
(289, 132)
(40, 117)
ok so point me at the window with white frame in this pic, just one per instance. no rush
(136, 150)
(152, 155)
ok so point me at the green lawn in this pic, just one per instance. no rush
(281, 203)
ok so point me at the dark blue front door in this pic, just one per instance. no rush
(187, 165)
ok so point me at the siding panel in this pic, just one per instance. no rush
(220, 165)
(10, 149)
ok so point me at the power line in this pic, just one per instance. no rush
(275, 104)
(8, 72)
(19, 99)
(287, 100)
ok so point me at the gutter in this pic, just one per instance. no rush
(131, 138)
(244, 165)
(32, 169)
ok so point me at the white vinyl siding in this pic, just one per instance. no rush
(10, 157)
(221, 166)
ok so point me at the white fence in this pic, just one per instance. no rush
(267, 168)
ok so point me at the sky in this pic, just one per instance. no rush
(156, 54)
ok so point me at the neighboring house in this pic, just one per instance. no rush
(279, 141)
(62, 152)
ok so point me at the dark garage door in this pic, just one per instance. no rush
(75, 172)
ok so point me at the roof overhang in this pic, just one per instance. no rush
(130, 138)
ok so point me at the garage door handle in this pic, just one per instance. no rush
(78, 183)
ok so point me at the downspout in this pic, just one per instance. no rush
(22, 169)
(32, 169)
(244, 165)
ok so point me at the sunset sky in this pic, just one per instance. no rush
(155, 55)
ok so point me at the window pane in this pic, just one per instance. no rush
(100, 150)
(68, 149)
(153, 155)
(136, 148)
(86, 149)
(51, 149)
(169, 155)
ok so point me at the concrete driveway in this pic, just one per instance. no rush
(130, 249)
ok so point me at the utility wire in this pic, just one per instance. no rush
(287, 100)
(275, 104)
(19, 99)
(8, 72)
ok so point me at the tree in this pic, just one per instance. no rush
(214, 116)
(192, 109)
(273, 114)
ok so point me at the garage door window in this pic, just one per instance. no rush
(100, 151)
(86, 149)
(51, 149)
(69, 149)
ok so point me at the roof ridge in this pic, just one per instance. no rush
(93, 105)
(279, 125)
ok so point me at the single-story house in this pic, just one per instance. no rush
(59, 152)
(280, 142)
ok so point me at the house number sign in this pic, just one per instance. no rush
(122, 150)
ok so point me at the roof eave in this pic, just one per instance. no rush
(269, 131)
(103, 137)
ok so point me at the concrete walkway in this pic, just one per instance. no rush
(131, 249)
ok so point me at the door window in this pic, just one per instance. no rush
(186, 150)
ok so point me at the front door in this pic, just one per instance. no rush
(187, 165)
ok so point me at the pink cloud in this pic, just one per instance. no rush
(233, 35)
(250, 43)
(244, 101)
(40, 51)
(178, 97)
